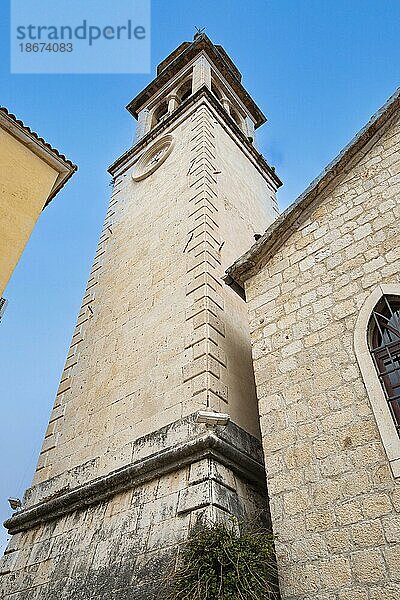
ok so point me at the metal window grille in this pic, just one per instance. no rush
(384, 343)
(3, 306)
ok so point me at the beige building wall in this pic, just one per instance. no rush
(335, 502)
(159, 336)
(25, 185)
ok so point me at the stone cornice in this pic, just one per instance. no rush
(247, 265)
(203, 92)
(232, 447)
(220, 60)
(168, 60)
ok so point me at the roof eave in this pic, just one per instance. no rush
(41, 148)
(288, 221)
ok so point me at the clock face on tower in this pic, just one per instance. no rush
(153, 157)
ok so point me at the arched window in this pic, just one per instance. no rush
(377, 348)
(237, 118)
(384, 344)
(215, 90)
(160, 112)
(185, 90)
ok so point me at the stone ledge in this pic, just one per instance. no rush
(232, 447)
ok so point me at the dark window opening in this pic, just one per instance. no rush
(237, 118)
(216, 91)
(185, 91)
(160, 113)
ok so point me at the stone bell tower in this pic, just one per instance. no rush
(155, 421)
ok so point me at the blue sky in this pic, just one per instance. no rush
(318, 69)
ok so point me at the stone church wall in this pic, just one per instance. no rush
(123, 548)
(335, 505)
(120, 541)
